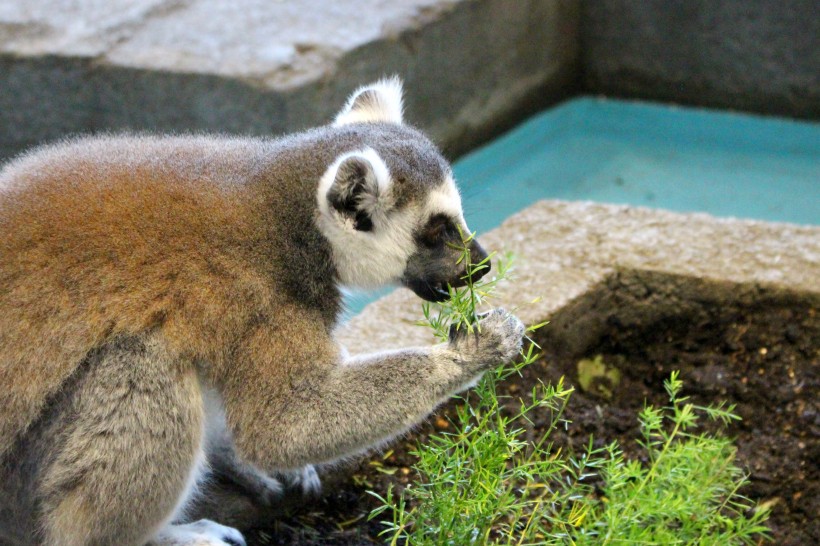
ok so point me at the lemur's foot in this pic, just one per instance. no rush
(496, 340)
(199, 533)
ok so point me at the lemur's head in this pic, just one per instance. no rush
(389, 206)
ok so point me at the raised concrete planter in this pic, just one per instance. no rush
(591, 264)
(471, 67)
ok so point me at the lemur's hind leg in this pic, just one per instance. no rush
(127, 450)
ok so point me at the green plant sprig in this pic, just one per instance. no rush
(493, 481)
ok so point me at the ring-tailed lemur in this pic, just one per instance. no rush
(167, 307)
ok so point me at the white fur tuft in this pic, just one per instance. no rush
(384, 103)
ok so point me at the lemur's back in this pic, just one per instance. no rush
(198, 236)
(116, 236)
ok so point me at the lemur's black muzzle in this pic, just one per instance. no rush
(431, 285)
(477, 255)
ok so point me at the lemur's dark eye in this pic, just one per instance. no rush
(439, 229)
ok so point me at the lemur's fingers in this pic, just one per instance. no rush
(497, 340)
(269, 490)
(306, 480)
(310, 482)
(504, 329)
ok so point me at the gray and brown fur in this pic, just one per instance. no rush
(140, 273)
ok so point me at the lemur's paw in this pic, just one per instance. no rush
(268, 490)
(306, 480)
(199, 533)
(496, 340)
(310, 482)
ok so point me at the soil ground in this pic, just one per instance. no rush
(764, 359)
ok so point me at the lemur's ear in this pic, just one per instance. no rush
(354, 189)
(380, 101)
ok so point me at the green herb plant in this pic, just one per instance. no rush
(497, 479)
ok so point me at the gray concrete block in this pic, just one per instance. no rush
(758, 55)
(472, 67)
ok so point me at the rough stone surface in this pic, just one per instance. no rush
(582, 259)
(759, 55)
(471, 67)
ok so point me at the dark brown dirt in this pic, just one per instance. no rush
(764, 359)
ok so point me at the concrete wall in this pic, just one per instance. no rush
(472, 68)
(758, 55)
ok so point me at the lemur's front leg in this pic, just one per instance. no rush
(338, 409)
(237, 493)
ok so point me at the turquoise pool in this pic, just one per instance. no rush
(651, 155)
(660, 156)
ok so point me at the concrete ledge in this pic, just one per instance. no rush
(584, 260)
(269, 67)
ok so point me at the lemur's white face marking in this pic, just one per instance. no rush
(447, 200)
(383, 228)
(371, 242)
